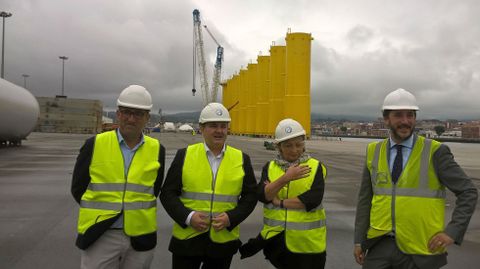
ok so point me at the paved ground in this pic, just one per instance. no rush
(38, 215)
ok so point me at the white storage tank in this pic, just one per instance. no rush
(19, 112)
(169, 127)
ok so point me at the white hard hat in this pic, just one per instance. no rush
(287, 129)
(135, 96)
(214, 112)
(400, 99)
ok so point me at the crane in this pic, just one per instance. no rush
(209, 95)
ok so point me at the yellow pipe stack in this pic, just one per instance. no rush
(274, 88)
(242, 98)
(226, 90)
(297, 83)
(263, 80)
(277, 87)
(251, 93)
(233, 104)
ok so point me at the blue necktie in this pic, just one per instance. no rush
(397, 164)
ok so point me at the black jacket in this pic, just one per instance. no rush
(81, 179)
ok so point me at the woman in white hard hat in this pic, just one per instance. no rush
(291, 188)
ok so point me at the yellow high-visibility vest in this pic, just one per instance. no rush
(305, 232)
(414, 208)
(109, 192)
(200, 194)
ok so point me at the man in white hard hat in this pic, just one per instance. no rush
(116, 181)
(401, 203)
(209, 190)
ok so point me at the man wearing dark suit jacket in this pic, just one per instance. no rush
(116, 181)
(401, 203)
(209, 190)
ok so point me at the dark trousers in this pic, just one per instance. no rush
(300, 261)
(385, 254)
(279, 256)
(194, 262)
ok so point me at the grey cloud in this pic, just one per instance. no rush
(428, 47)
(357, 85)
(109, 47)
(359, 35)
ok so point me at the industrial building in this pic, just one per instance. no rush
(69, 115)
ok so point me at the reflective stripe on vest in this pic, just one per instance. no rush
(423, 190)
(110, 193)
(300, 226)
(118, 206)
(305, 232)
(273, 207)
(200, 194)
(210, 197)
(120, 187)
(414, 208)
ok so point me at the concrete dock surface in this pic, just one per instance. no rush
(38, 214)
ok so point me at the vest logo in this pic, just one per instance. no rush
(288, 129)
(382, 178)
(219, 112)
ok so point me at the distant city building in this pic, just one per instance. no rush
(471, 131)
(379, 124)
(430, 124)
(379, 132)
(452, 133)
(453, 129)
(450, 124)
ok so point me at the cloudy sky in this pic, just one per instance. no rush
(361, 49)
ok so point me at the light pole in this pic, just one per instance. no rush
(25, 76)
(4, 15)
(63, 58)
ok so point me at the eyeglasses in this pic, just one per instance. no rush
(133, 112)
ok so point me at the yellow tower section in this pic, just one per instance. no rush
(233, 98)
(242, 98)
(224, 93)
(251, 102)
(276, 91)
(263, 79)
(297, 81)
